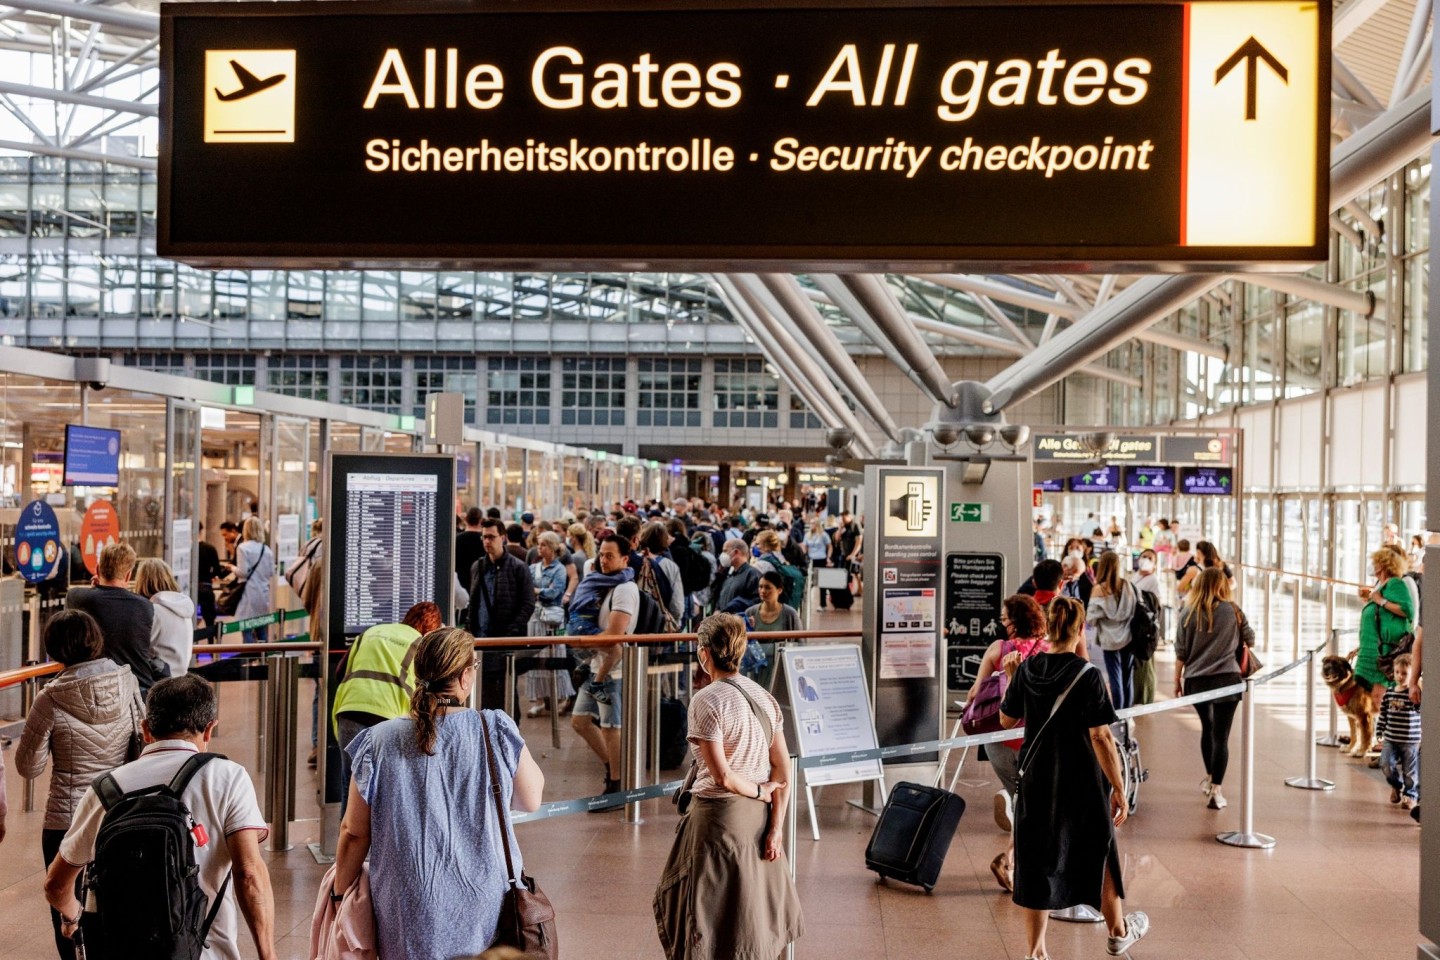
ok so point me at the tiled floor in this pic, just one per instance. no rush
(1341, 883)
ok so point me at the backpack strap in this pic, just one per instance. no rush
(214, 907)
(108, 790)
(188, 769)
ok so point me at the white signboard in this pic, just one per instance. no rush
(287, 538)
(181, 547)
(831, 704)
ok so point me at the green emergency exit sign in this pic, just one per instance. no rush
(969, 513)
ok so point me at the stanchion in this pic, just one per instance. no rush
(1080, 913)
(1246, 835)
(280, 776)
(27, 700)
(636, 658)
(1332, 649)
(510, 705)
(1269, 589)
(791, 831)
(1310, 781)
(1295, 639)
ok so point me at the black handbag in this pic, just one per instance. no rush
(527, 918)
(227, 598)
(1386, 660)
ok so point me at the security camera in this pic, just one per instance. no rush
(839, 438)
(1097, 442)
(979, 434)
(96, 385)
(945, 434)
(1014, 435)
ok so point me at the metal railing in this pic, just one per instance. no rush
(1273, 580)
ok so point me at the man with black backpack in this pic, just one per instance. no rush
(167, 836)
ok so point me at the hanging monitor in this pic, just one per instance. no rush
(92, 456)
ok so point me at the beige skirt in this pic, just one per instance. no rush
(719, 898)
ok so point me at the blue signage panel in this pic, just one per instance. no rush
(1149, 479)
(1207, 481)
(1050, 486)
(92, 456)
(1096, 480)
(37, 542)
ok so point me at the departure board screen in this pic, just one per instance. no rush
(390, 526)
(390, 537)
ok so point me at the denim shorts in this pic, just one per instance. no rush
(607, 713)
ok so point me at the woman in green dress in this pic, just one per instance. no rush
(1389, 614)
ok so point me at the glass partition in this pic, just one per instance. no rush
(182, 497)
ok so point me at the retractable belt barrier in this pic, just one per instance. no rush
(561, 808)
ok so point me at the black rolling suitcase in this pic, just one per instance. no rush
(910, 841)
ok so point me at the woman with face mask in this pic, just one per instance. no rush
(1147, 583)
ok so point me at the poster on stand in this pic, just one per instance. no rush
(99, 529)
(287, 538)
(830, 699)
(181, 547)
(37, 542)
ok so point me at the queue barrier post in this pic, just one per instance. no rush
(1295, 627)
(1246, 835)
(27, 700)
(636, 658)
(792, 820)
(1311, 781)
(1332, 649)
(280, 777)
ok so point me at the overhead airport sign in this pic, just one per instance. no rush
(1123, 449)
(619, 134)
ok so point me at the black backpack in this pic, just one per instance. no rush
(145, 878)
(650, 618)
(1144, 636)
(694, 571)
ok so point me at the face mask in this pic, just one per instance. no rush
(1147, 565)
(1077, 554)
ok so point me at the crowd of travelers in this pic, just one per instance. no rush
(126, 730)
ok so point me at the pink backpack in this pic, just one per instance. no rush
(982, 713)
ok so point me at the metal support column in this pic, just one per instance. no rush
(636, 659)
(280, 776)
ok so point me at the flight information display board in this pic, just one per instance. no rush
(1206, 481)
(390, 537)
(829, 134)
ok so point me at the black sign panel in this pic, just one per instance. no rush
(1126, 448)
(619, 135)
(1149, 479)
(1197, 449)
(1104, 479)
(1207, 481)
(974, 591)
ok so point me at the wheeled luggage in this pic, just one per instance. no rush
(913, 835)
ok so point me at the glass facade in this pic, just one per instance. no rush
(592, 391)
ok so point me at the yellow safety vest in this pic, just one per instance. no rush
(379, 673)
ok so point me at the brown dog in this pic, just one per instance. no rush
(1354, 700)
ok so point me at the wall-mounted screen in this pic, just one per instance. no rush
(1149, 479)
(1096, 480)
(1207, 481)
(92, 456)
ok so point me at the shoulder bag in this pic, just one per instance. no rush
(1030, 755)
(684, 795)
(527, 919)
(1385, 659)
(1244, 652)
(227, 599)
(982, 714)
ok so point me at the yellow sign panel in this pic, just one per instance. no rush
(1250, 114)
(249, 96)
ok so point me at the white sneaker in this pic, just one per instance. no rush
(1137, 925)
(1217, 802)
(1004, 810)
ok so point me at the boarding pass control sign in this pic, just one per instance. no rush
(619, 135)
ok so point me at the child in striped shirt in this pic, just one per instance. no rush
(1399, 733)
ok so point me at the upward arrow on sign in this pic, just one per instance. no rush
(1251, 52)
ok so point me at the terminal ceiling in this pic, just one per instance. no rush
(80, 81)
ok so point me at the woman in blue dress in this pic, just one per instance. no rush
(422, 810)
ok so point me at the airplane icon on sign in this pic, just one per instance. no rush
(249, 83)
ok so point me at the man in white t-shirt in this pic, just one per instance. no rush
(596, 714)
(180, 719)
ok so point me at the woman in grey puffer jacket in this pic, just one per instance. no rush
(84, 720)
